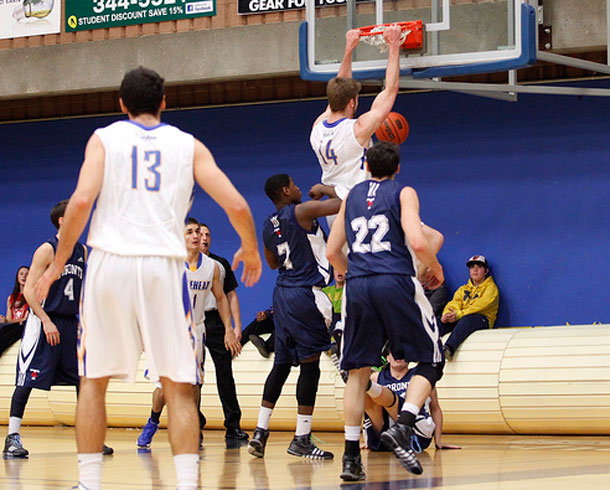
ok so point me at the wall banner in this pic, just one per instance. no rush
(82, 15)
(265, 6)
(20, 18)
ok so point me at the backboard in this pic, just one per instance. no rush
(459, 38)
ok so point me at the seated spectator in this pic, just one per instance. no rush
(385, 396)
(16, 306)
(474, 306)
(263, 323)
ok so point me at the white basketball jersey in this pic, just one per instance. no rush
(199, 282)
(210, 301)
(339, 153)
(146, 191)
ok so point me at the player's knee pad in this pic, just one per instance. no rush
(431, 371)
(19, 401)
(275, 382)
(307, 385)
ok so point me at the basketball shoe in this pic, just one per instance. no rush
(352, 468)
(398, 438)
(256, 446)
(13, 447)
(303, 447)
(149, 430)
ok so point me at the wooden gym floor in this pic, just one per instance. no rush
(484, 462)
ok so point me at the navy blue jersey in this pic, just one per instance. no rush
(399, 387)
(373, 230)
(301, 253)
(64, 295)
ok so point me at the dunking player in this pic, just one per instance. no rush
(340, 141)
(141, 172)
(47, 356)
(385, 302)
(202, 279)
(295, 243)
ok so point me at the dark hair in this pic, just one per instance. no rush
(383, 159)
(16, 299)
(192, 221)
(203, 224)
(340, 91)
(142, 91)
(58, 211)
(274, 186)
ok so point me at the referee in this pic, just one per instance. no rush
(215, 334)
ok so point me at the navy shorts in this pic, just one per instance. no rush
(388, 308)
(41, 366)
(418, 443)
(301, 317)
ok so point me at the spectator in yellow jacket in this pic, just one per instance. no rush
(474, 306)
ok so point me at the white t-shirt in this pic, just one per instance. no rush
(199, 283)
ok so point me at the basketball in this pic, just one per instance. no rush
(394, 129)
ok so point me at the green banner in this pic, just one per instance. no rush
(82, 15)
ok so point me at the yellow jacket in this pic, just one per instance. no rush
(482, 299)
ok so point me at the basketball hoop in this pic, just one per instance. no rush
(411, 36)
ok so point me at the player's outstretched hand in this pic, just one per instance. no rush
(392, 35)
(352, 38)
(42, 286)
(253, 266)
(232, 343)
(446, 446)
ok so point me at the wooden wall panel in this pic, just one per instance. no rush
(546, 380)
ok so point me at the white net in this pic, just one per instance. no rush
(375, 37)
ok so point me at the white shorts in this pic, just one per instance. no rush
(134, 303)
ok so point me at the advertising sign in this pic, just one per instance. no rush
(82, 15)
(20, 18)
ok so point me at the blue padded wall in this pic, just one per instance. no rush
(525, 184)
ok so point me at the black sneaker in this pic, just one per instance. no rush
(335, 357)
(398, 439)
(13, 447)
(303, 447)
(256, 446)
(259, 343)
(352, 468)
(107, 450)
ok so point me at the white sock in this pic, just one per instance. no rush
(303, 425)
(90, 470)
(264, 416)
(375, 390)
(352, 432)
(187, 471)
(14, 425)
(410, 407)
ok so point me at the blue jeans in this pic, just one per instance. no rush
(461, 329)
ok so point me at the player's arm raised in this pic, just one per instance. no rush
(306, 212)
(336, 240)
(368, 122)
(77, 213)
(43, 257)
(219, 187)
(352, 38)
(231, 341)
(411, 225)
